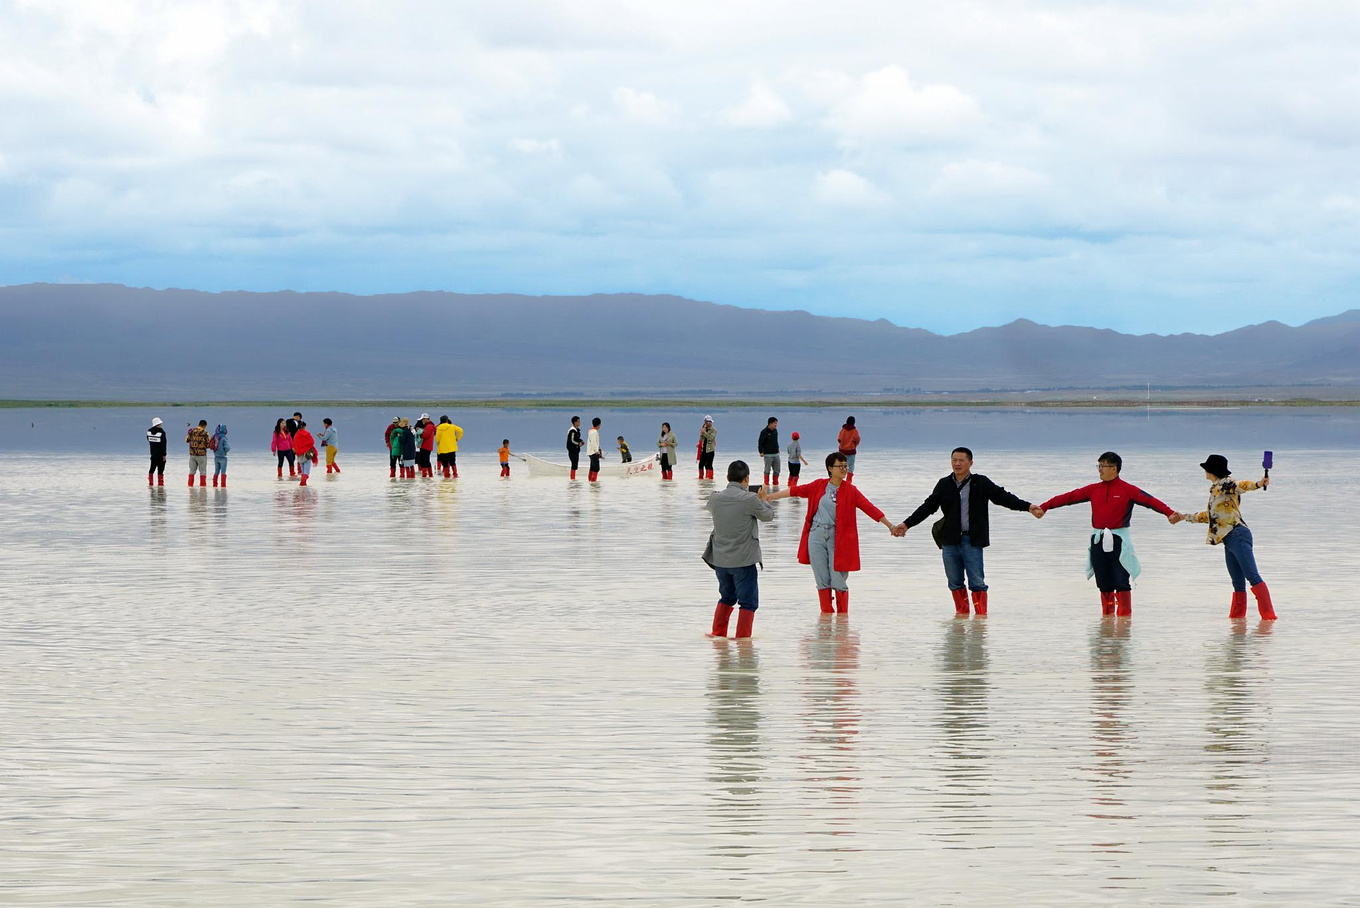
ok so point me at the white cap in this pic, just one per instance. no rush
(156, 422)
(708, 419)
(424, 416)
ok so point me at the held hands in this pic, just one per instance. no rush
(900, 530)
(1175, 518)
(1037, 511)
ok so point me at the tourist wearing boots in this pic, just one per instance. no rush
(708, 446)
(1228, 529)
(1110, 557)
(394, 447)
(574, 444)
(848, 442)
(328, 443)
(962, 497)
(796, 460)
(304, 446)
(734, 548)
(666, 443)
(155, 438)
(197, 440)
(282, 445)
(767, 445)
(393, 453)
(505, 455)
(427, 446)
(221, 447)
(446, 438)
(593, 449)
(830, 540)
(407, 441)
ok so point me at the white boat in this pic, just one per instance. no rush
(648, 467)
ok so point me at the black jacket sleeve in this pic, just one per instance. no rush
(933, 503)
(999, 496)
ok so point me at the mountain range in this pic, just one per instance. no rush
(110, 342)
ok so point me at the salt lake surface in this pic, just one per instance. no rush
(498, 692)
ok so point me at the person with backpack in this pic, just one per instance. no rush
(393, 453)
(197, 440)
(304, 446)
(155, 437)
(847, 442)
(407, 440)
(220, 447)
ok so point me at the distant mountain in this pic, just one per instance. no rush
(114, 342)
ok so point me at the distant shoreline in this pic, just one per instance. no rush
(535, 403)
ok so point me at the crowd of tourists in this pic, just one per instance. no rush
(829, 542)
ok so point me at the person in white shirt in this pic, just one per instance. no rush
(593, 448)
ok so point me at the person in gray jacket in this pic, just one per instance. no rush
(734, 548)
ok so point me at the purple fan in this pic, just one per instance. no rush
(1266, 463)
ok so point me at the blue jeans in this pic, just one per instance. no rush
(738, 585)
(1241, 559)
(219, 465)
(850, 463)
(961, 558)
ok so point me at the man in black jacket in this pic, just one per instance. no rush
(155, 437)
(963, 496)
(767, 445)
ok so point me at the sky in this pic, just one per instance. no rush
(1147, 166)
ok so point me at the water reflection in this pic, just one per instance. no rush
(157, 517)
(1112, 734)
(1237, 742)
(964, 732)
(739, 759)
(833, 715)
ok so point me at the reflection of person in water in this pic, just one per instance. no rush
(964, 728)
(833, 715)
(1111, 690)
(1236, 738)
(734, 735)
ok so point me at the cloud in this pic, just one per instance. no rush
(986, 178)
(887, 105)
(844, 189)
(644, 107)
(761, 109)
(550, 149)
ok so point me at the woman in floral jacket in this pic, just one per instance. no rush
(1228, 529)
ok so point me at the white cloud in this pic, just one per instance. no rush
(644, 107)
(987, 178)
(887, 104)
(550, 149)
(762, 108)
(845, 189)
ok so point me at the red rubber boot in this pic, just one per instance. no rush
(720, 616)
(824, 600)
(203, 480)
(191, 480)
(455, 471)
(1106, 603)
(281, 473)
(980, 603)
(745, 618)
(842, 602)
(214, 480)
(573, 474)
(302, 481)
(775, 484)
(160, 479)
(392, 473)
(1263, 603)
(224, 480)
(960, 603)
(1239, 605)
(292, 471)
(337, 468)
(1123, 603)
(710, 474)
(151, 479)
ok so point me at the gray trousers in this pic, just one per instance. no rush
(198, 463)
(822, 554)
(772, 464)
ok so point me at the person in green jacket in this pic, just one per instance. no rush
(394, 447)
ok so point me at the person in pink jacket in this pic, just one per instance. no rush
(282, 445)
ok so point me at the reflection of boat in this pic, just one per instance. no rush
(540, 467)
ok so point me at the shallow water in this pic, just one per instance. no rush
(498, 692)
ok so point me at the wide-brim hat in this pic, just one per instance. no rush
(1216, 464)
(156, 422)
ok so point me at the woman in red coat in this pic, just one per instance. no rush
(830, 542)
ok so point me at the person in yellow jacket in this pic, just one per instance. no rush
(446, 444)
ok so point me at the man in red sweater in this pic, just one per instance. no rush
(304, 446)
(1112, 559)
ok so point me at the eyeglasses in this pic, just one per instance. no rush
(840, 466)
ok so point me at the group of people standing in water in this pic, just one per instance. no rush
(829, 543)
